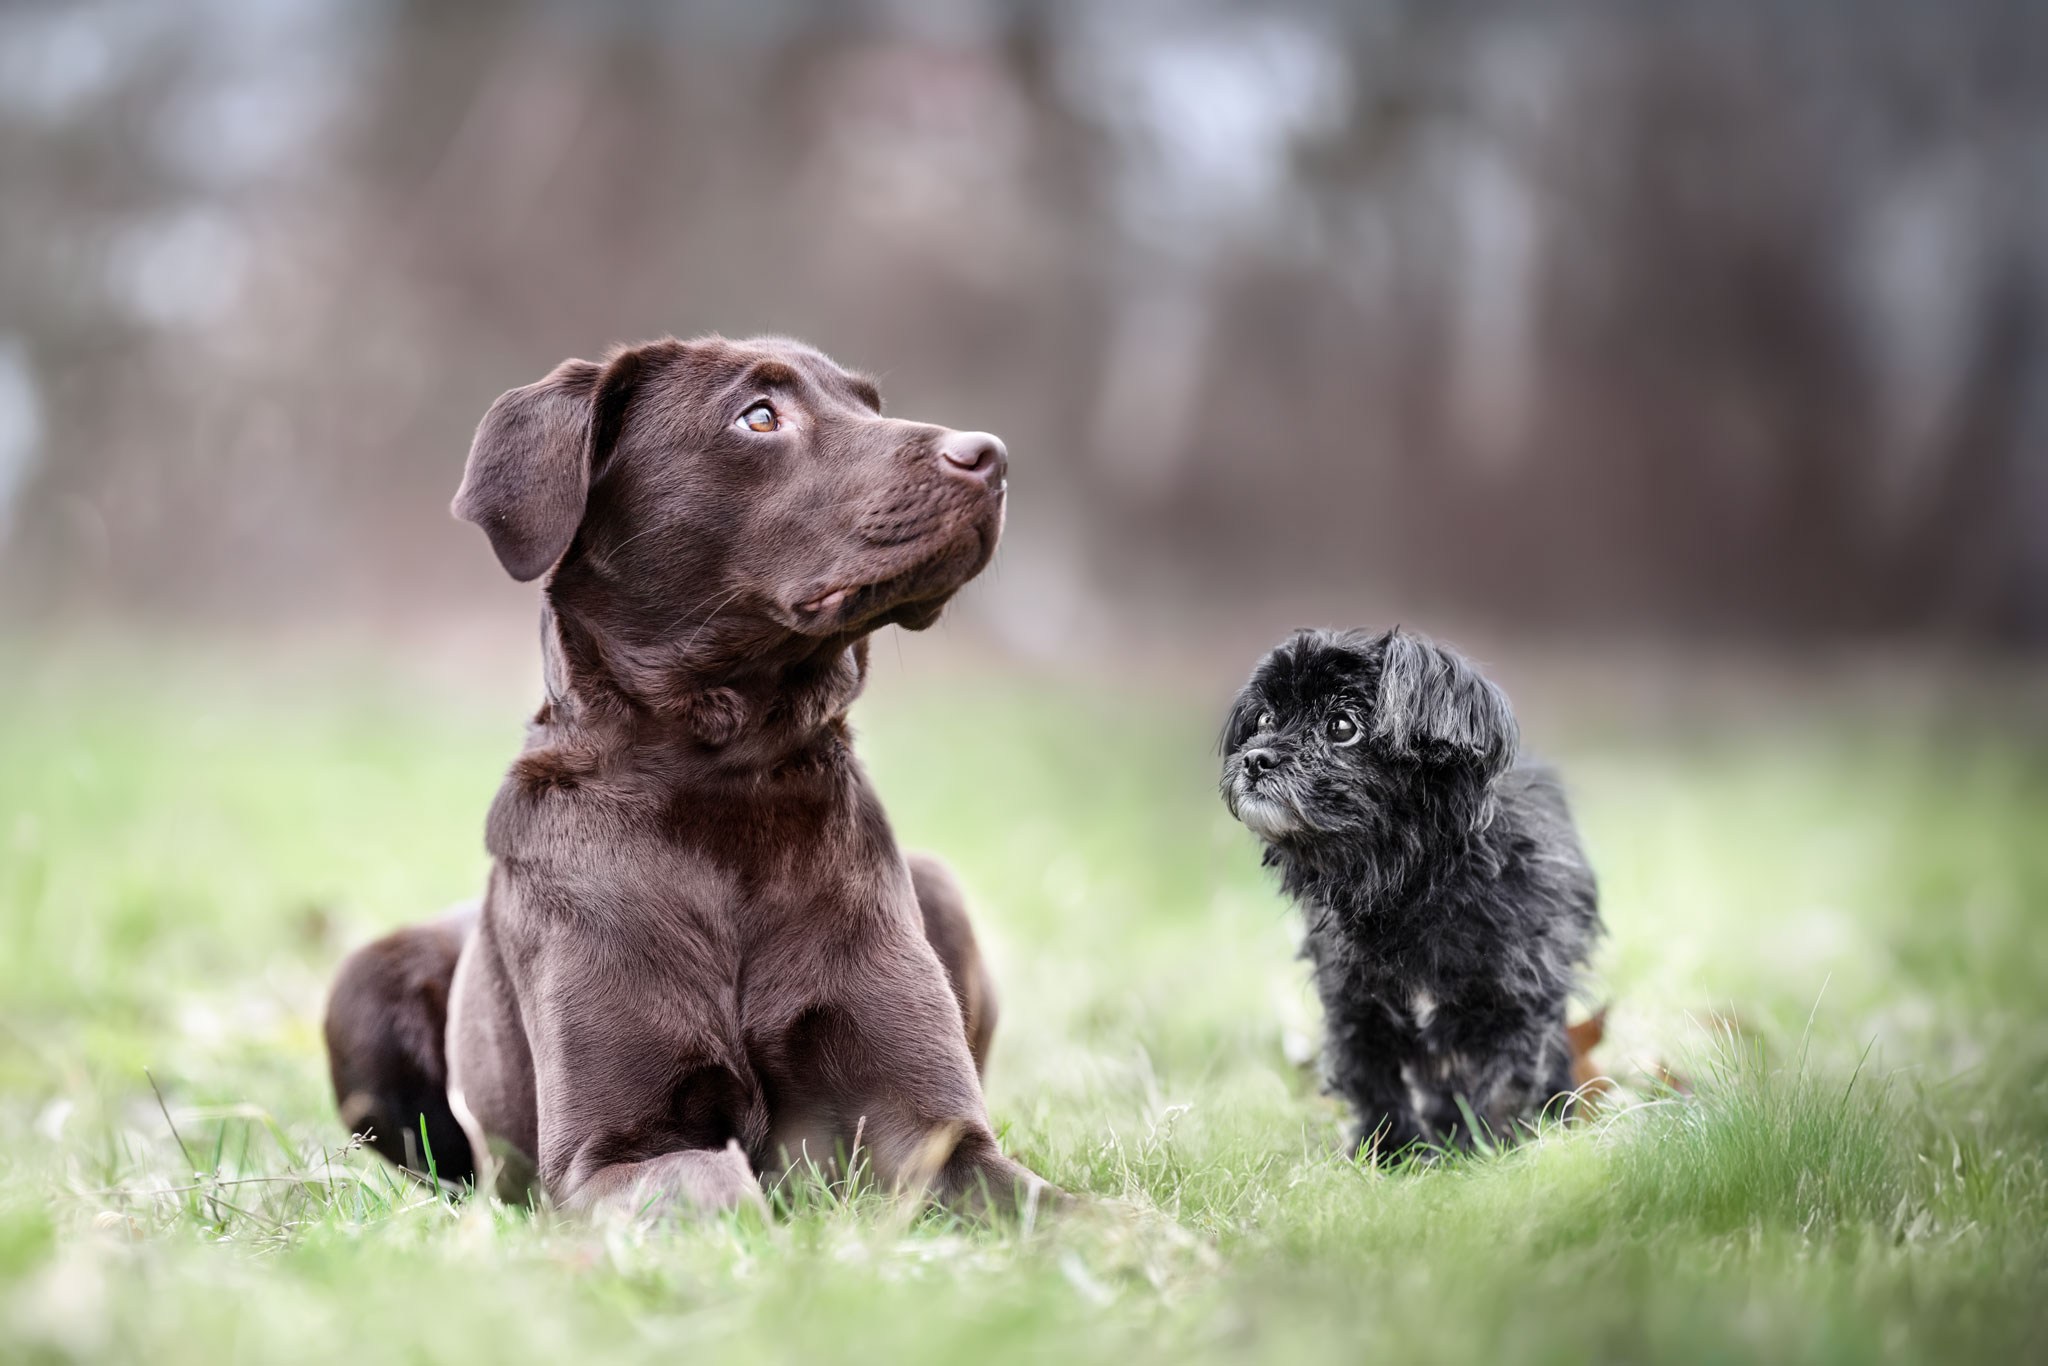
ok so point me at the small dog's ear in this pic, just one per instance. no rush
(1433, 704)
(529, 468)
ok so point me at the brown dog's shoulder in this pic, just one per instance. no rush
(550, 799)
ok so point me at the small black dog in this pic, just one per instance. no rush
(1447, 899)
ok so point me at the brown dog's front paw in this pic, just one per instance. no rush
(696, 1183)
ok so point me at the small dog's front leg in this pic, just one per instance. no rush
(1364, 1056)
(1518, 1075)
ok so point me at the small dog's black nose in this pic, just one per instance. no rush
(1259, 761)
(976, 454)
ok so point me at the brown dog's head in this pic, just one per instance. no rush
(713, 506)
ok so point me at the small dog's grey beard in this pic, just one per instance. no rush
(1272, 811)
(1268, 819)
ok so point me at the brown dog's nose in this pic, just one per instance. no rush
(978, 454)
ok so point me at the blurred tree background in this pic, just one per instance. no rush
(1686, 362)
(1727, 320)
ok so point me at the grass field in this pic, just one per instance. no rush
(1857, 1174)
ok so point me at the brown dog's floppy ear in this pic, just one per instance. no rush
(530, 465)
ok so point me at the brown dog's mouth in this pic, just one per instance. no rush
(850, 605)
(927, 580)
(827, 600)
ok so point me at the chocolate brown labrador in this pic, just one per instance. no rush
(701, 956)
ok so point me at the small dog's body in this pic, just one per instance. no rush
(1448, 903)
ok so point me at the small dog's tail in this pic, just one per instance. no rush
(1585, 1036)
(1593, 1083)
(1590, 1081)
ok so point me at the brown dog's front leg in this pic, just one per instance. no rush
(696, 1181)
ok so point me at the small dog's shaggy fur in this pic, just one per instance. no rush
(1448, 903)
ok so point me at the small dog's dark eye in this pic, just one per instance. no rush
(1342, 730)
(1265, 720)
(760, 418)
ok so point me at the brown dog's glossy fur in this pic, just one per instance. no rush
(701, 955)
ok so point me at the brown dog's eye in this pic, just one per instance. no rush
(1342, 730)
(1265, 720)
(760, 418)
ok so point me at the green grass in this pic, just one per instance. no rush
(1858, 1173)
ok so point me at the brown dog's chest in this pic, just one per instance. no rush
(753, 938)
(715, 965)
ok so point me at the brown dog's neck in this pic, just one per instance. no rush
(753, 717)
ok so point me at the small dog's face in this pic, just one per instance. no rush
(1338, 732)
(715, 500)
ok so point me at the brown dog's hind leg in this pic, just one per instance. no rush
(952, 935)
(387, 1051)
(959, 1166)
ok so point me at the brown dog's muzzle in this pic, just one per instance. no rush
(919, 540)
